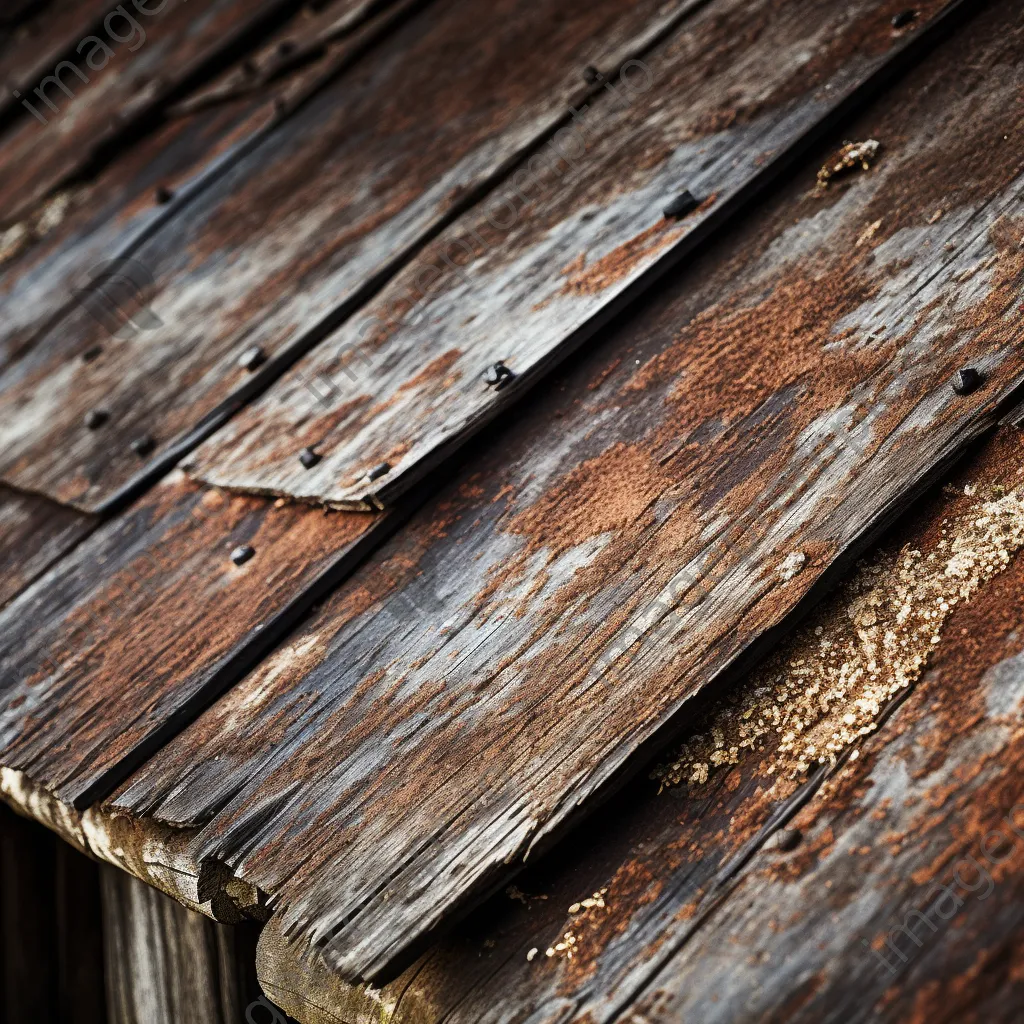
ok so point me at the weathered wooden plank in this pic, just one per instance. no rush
(147, 619)
(718, 109)
(34, 533)
(50, 255)
(633, 536)
(166, 964)
(299, 230)
(142, 54)
(34, 40)
(662, 860)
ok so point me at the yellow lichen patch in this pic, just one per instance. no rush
(849, 158)
(828, 686)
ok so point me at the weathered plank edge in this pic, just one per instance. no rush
(312, 336)
(901, 60)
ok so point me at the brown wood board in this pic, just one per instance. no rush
(723, 106)
(115, 648)
(34, 533)
(296, 232)
(665, 863)
(110, 81)
(638, 531)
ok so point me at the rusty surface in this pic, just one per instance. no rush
(124, 640)
(288, 240)
(34, 533)
(642, 529)
(109, 97)
(532, 271)
(784, 943)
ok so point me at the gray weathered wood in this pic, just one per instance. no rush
(121, 643)
(34, 533)
(636, 535)
(718, 109)
(295, 232)
(168, 965)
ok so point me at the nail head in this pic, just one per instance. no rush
(591, 75)
(163, 194)
(497, 375)
(142, 446)
(92, 353)
(788, 839)
(242, 554)
(95, 418)
(966, 381)
(378, 471)
(252, 358)
(309, 458)
(684, 203)
(904, 18)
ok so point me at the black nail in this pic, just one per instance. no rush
(378, 471)
(684, 203)
(163, 194)
(788, 839)
(252, 358)
(242, 554)
(966, 381)
(92, 353)
(142, 446)
(591, 75)
(309, 458)
(497, 375)
(903, 19)
(95, 418)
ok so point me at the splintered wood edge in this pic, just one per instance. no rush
(154, 853)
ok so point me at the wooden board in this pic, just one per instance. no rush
(668, 861)
(147, 620)
(645, 526)
(111, 81)
(49, 256)
(720, 109)
(298, 231)
(166, 964)
(34, 533)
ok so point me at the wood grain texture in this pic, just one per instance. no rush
(110, 95)
(642, 528)
(296, 232)
(667, 861)
(719, 109)
(168, 965)
(122, 642)
(57, 248)
(34, 533)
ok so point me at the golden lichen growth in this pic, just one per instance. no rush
(828, 686)
(849, 158)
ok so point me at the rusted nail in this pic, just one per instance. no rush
(242, 554)
(904, 18)
(378, 471)
(142, 446)
(966, 381)
(684, 203)
(591, 75)
(163, 194)
(497, 375)
(92, 353)
(788, 839)
(252, 358)
(309, 458)
(95, 418)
